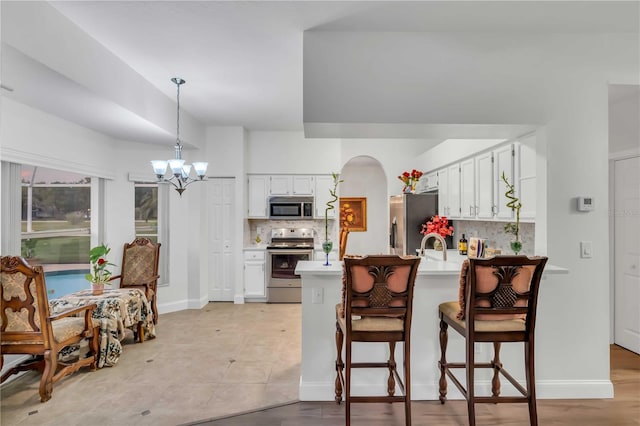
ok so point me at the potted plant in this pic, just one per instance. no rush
(514, 204)
(327, 244)
(99, 274)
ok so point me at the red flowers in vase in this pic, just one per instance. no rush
(439, 225)
(410, 179)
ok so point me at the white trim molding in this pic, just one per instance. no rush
(32, 159)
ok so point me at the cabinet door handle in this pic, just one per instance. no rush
(470, 210)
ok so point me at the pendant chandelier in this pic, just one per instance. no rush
(180, 178)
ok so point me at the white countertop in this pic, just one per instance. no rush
(431, 264)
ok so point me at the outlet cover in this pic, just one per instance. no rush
(317, 295)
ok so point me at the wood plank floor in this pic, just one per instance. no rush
(622, 410)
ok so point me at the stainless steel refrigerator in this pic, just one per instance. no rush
(407, 214)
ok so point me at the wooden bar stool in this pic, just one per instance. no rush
(498, 298)
(377, 302)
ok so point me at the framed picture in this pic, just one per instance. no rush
(353, 213)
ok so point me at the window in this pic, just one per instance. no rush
(55, 218)
(146, 210)
(152, 219)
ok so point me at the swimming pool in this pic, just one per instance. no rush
(61, 283)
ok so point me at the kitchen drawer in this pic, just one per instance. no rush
(254, 255)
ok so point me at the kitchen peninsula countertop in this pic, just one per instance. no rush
(436, 282)
(431, 264)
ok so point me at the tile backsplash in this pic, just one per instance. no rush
(494, 232)
(266, 225)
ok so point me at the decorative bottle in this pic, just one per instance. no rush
(462, 245)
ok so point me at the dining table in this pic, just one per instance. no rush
(116, 310)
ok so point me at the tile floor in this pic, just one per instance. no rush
(219, 360)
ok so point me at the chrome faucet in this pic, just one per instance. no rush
(437, 237)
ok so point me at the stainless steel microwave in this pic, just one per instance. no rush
(291, 208)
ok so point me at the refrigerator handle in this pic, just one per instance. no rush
(394, 230)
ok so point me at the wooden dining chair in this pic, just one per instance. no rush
(497, 303)
(344, 235)
(139, 269)
(376, 307)
(26, 326)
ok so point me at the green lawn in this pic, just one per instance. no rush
(52, 250)
(59, 250)
(52, 225)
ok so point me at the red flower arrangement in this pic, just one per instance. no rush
(410, 179)
(439, 225)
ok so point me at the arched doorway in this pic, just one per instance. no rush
(364, 177)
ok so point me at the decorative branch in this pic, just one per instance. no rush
(330, 206)
(514, 204)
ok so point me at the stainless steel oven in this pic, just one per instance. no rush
(287, 248)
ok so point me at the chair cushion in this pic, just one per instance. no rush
(63, 329)
(67, 327)
(369, 323)
(487, 281)
(451, 310)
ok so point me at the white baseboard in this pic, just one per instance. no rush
(238, 299)
(545, 389)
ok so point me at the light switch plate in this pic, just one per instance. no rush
(586, 249)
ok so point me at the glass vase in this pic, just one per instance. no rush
(516, 246)
(327, 246)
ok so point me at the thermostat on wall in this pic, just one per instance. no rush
(585, 204)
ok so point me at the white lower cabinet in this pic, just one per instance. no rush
(254, 276)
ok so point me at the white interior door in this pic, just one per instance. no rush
(627, 254)
(221, 258)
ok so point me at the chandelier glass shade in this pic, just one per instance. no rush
(180, 172)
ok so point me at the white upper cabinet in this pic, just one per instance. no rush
(258, 187)
(443, 194)
(291, 185)
(453, 188)
(280, 185)
(322, 186)
(473, 188)
(449, 191)
(428, 182)
(467, 188)
(303, 185)
(503, 159)
(484, 185)
(261, 187)
(526, 160)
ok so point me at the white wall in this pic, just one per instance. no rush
(624, 114)
(291, 152)
(369, 181)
